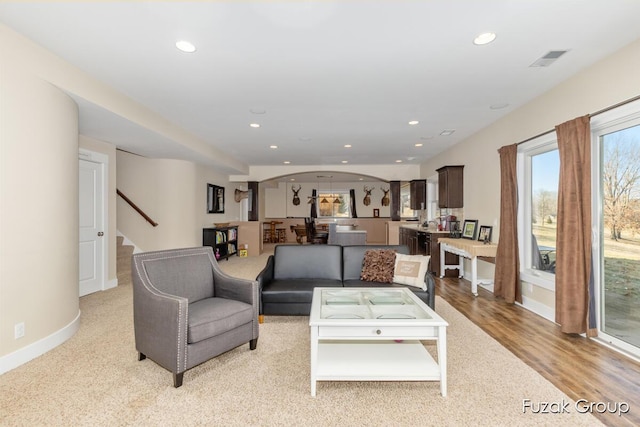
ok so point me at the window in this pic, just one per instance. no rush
(616, 207)
(538, 173)
(405, 200)
(335, 204)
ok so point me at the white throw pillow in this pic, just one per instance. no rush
(410, 270)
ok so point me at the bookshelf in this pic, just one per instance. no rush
(223, 240)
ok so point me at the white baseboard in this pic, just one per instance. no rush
(538, 308)
(110, 284)
(38, 348)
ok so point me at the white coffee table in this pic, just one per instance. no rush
(375, 334)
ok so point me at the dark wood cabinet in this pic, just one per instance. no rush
(394, 187)
(418, 194)
(223, 240)
(450, 187)
(434, 251)
(253, 201)
(414, 239)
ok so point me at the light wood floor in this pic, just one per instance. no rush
(580, 367)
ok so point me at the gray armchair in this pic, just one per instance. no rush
(187, 311)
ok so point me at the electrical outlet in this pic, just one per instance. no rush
(18, 330)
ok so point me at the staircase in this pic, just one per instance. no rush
(123, 266)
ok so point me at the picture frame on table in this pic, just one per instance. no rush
(469, 229)
(484, 235)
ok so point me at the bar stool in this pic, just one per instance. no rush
(281, 235)
(266, 232)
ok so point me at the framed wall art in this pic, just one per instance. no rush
(215, 199)
(469, 229)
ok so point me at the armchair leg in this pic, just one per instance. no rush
(141, 356)
(253, 344)
(177, 379)
(261, 318)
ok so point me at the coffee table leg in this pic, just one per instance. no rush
(314, 359)
(442, 359)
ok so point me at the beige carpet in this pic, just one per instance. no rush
(95, 379)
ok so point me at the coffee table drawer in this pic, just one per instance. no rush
(376, 331)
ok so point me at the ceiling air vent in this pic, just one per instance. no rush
(549, 58)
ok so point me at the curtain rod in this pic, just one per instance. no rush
(604, 110)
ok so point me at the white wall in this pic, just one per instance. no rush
(279, 200)
(606, 83)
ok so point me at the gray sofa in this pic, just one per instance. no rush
(293, 271)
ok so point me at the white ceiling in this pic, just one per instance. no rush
(325, 73)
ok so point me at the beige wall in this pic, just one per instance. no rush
(174, 194)
(38, 209)
(606, 83)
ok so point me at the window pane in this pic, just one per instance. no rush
(405, 201)
(545, 170)
(620, 183)
(336, 204)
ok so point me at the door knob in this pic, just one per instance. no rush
(100, 234)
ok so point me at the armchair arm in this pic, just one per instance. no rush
(235, 288)
(160, 325)
(238, 289)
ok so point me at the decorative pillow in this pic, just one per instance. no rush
(410, 270)
(378, 265)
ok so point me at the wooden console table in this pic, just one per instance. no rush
(466, 248)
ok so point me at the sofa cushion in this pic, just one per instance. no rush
(307, 262)
(294, 290)
(378, 265)
(210, 317)
(352, 257)
(410, 270)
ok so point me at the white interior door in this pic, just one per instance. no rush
(91, 209)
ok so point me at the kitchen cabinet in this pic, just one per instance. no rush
(450, 187)
(418, 194)
(414, 239)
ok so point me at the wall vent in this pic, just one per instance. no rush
(548, 58)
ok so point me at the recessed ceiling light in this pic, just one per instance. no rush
(484, 38)
(447, 132)
(254, 125)
(345, 161)
(413, 122)
(347, 146)
(360, 179)
(418, 145)
(273, 146)
(286, 162)
(398, 161)
(185, 46)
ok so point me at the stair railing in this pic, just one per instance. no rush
(136, 208)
